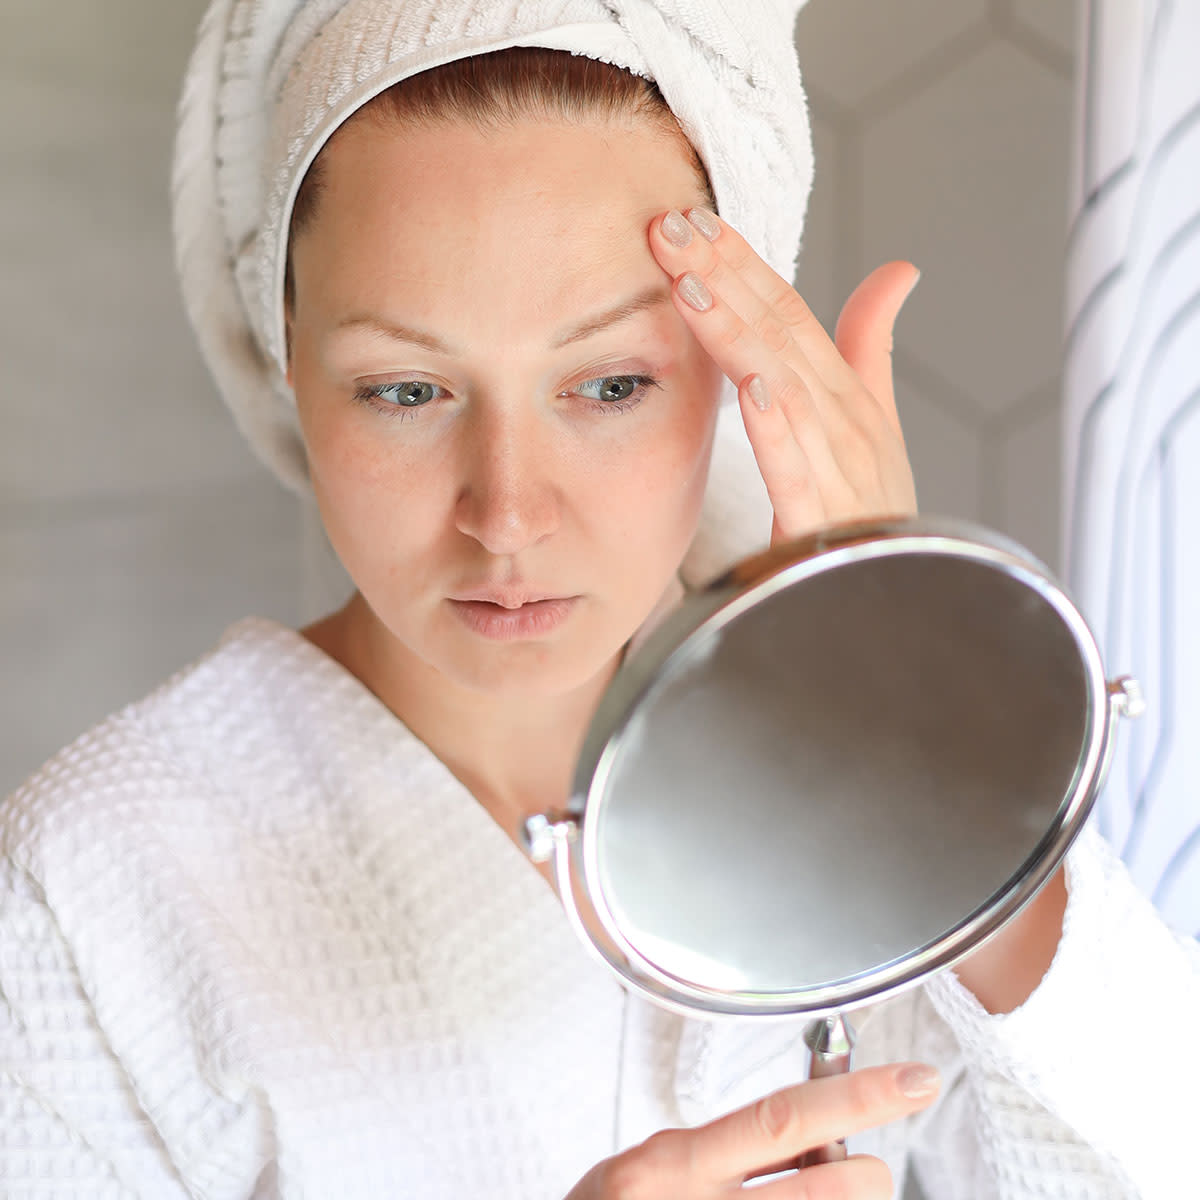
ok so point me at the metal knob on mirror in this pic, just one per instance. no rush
(542, 832)
(834, 771)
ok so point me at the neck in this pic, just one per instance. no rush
(515, 758)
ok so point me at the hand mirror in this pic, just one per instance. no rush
(836, 770)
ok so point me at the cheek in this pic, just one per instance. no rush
(344, 462)
(348, 472)
(373, 497)
(662, 486)
(688, 445)
(354, 455)
(345, 459)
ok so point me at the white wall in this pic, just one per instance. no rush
(134, 525)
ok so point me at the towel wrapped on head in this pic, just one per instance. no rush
(270, 80)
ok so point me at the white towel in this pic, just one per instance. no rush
(270, 80)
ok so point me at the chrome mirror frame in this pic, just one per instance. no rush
(569, 838)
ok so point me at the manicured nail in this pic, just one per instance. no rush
(676, 230)
(757, 391)
(918, 1081)
(695, 291)
(706, 222)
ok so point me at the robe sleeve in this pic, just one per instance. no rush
(1087, 1089)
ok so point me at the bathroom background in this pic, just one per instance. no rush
(135, 525)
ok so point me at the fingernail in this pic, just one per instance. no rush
(706, 222)
(676, 230)
(919, 1081)
(695, 291)
(912, 286)
(757, 391)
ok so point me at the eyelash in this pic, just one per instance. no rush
(373, 396)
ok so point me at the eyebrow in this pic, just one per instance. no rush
(648, 298)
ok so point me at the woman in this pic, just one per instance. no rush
(267, 933)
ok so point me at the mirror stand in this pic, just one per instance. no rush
(849, 701)
(831, 1043)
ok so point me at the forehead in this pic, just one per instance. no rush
(537, 215)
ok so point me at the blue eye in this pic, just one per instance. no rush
(618, 392)
(406, 393)
(608, 393)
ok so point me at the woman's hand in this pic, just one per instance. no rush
(715, 1160)
(821, 414)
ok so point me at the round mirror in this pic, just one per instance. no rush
(836, 770)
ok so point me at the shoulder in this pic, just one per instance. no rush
(237, 720)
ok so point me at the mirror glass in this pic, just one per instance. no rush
(842, 775)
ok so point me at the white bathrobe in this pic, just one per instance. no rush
(255, 940)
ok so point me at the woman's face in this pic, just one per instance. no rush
(508, 424)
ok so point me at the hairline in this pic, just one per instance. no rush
(493, 115)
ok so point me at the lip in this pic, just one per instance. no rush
(504, 621)
(505, 597)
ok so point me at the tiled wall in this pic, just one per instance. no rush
(134, 525)
(942, 131)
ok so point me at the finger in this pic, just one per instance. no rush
(795, 433)
(860, 1177)
(856, 367)
(804, 484)
(700, 256)
(760, 323)
(779, 1127)
(865, 330)
(776, 293)
(739, 351)
(841, 437)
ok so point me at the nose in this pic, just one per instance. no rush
(508, 500)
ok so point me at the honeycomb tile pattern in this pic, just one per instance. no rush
(942, 135)
(854, 51)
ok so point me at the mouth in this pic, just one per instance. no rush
(511, 616)
(505, 598)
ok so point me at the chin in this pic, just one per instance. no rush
(531, 672)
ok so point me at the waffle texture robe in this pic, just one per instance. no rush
(257, 941)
